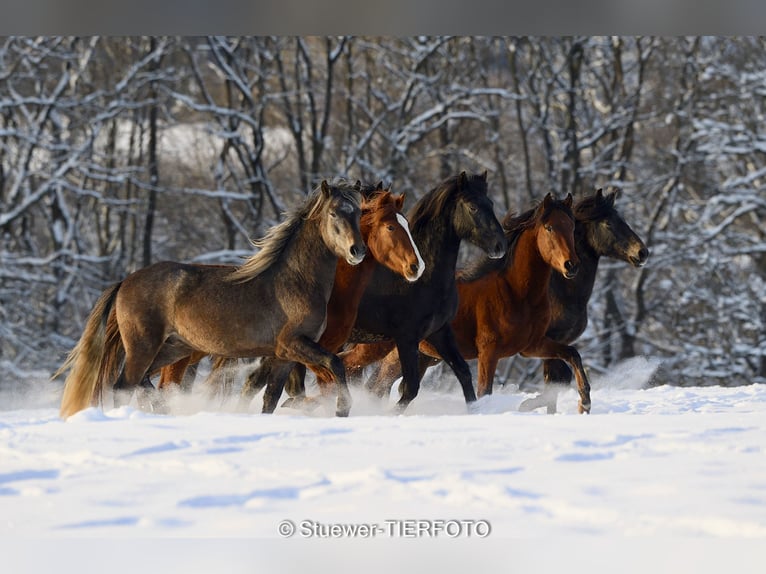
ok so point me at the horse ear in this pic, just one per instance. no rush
(358, 186)
(599, 193)
(484, 175)
(462, 179)
(612, 196)
(568, 200)
(547, 200)
(399, 201)
(379, 186)
(325, 188)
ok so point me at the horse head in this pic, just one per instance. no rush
(475, 218)
(554, 230)
(607, 233)
(339, 210)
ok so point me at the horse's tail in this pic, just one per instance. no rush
(96, 357)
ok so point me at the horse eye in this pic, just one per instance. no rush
(333, 214)
(548, 228)
(391, 228)
(472, 208)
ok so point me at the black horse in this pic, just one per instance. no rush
(600, 231)
(394, 309)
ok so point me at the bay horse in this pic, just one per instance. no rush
(386, 234)
(392, 309)
(273, 304)
(600, 231)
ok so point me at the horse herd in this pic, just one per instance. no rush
(347, 270)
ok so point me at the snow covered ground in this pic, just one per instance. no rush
(648, 465)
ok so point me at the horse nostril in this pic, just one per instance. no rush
(643, 253)
(358, 251)
(570, 266)
(414, 268)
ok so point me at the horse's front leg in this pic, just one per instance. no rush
(256, 380)
(408, 358)
(550, 349)
(302, 349)
(444, 342)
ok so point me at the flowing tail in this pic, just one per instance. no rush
(96, 357)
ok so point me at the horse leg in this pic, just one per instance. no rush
(256, 380)
(363, 354)
(276, 377)
(389, 369)
(173, 374)
(557, 376)
(301, 349)
(488, 359)
(444, 342)
(408, 358)
(550, 349)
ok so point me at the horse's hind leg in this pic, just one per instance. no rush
(255, 382)
(139, 354)
(550, 349)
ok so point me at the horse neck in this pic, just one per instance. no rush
(351, 280)
(310, 257)
(529, 274)
(575, 293)
(438, 244)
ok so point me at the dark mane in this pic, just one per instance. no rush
(513, 227)
(435, 201)
(594, 207)
(277, 238)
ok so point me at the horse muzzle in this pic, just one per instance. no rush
(640, 258)
(570, 269)
(356, 254)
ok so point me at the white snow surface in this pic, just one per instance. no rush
(647, 463)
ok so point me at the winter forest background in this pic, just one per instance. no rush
(119, 152)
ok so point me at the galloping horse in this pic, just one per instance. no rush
(406, 313)
(386, 233)
(273, 304)
(389, 244)
(600, 231)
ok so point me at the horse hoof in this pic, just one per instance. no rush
(584, 408)
(472, 407)
(290, 403)
(342, 412)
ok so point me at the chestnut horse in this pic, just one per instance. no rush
(504, 307)
(393, 310)
(273, 304)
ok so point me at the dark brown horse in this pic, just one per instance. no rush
(406, 313)
(274, 304)
(600, 231)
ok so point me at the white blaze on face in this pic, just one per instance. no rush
(421, 264)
